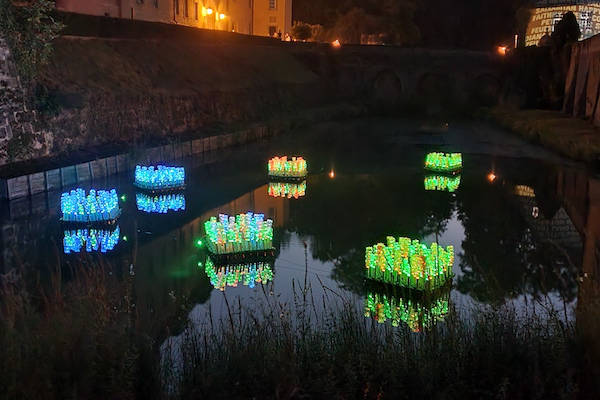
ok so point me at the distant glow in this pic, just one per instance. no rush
(409, 263)
(221, 16)
(76, 206)
(332, 174)
(491, 177)
(199, 243)
(442, 183)
(244, 232)
(90, 240)
(123, 198)
(160, 204)
(501, 50)
(289, 190)
(524, 191)
(234, 275)
(336, 44)
(295, 167)
(160, 177)
(209, 11)
(125, 238)
(443, 162)
(416, 314)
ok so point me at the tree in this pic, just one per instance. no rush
(29, 29)
(566, 30)
(301, 31)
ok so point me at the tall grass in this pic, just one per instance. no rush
(271, 352)
(80, 339)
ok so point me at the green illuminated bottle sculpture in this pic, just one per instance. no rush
(409, 264)
(444, 162)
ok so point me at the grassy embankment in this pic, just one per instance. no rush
(571, 137)
(81, 339)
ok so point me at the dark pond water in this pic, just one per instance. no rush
(517, 221)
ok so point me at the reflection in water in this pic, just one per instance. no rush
(443, 162)
(409, 263)
(285, 189)
(232, 275)
(96, 206)
(244, 232)
(284, 168)
(159, 178)
(418, 313)
(160, 204)
(90, 240)
(442, 183)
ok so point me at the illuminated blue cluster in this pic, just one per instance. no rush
(160, 177)
(90, 240)
(96, 206)
(160, 204)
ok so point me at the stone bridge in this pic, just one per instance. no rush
(423, 79)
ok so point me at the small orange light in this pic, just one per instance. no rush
(332, 174)
(336, 43)
(491, 177)
(502, 50)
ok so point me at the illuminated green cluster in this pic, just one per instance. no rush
(443, 162)
(242, 233)
(417, 315)
(284, 168)
(232, 275)
(409, 263)
(442, 183)
(285, 189)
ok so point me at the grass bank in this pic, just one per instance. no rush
(81, 339)
(571, 137)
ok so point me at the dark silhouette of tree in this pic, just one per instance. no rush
(301, 31)
(566, 30)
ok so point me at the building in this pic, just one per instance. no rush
(252, 17)
(548, 12)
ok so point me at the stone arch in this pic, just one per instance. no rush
(386, 90)
(436, 93)
(485, 89)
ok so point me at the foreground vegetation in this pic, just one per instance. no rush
(81, 339)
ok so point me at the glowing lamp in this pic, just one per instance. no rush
(336, 44)
(96, 206)
(240, 274)
(91, 240)
(491, 177)
(443, 162)
(442, 183)
(285, 189)
(209, 11)
(160, 204)
(242, 233)
(221, 16)
(408, 263)
(332, 174)
(501, 50)
(159, 177)
(281, 167)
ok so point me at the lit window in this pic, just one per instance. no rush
(272, 4)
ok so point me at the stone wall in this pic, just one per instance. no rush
(19, 130)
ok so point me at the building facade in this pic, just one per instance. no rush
(548, 12)
(252, 17)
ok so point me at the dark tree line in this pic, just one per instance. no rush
(475, 24)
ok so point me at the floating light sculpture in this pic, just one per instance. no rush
(160, 204)
(442, 183)
(90, 240)
(242, 233)
(98, 206)
(281, 167)
(443, 162)
(233, 275)
(524, 191)
(289, 190)
(417, 314)
(409, 263)
(159, 178)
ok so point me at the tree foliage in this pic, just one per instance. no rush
(301, 31)
(29, 29)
